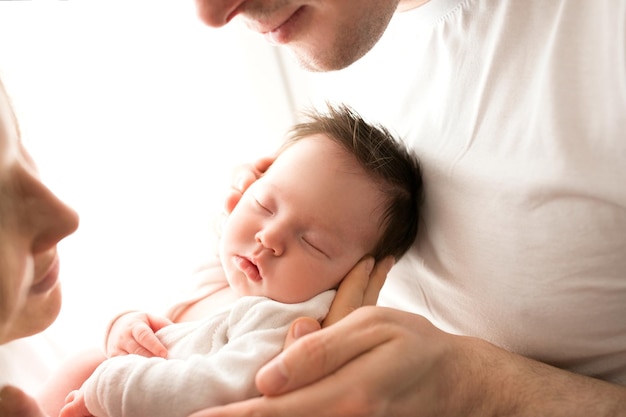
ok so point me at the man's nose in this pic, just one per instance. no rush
(217, 13)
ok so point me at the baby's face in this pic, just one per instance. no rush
(32, 222)
(300, 228)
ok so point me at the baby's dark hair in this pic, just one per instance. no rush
(385, 158)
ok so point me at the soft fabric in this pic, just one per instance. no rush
(517, 111)
(211, 362)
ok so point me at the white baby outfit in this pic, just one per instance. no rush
(211, 362)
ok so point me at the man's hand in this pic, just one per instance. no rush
(374, 362)
(384, 362)
(359, 288)
(133, 333)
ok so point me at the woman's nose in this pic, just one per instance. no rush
(51, 219)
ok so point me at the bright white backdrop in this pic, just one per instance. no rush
(136, 113)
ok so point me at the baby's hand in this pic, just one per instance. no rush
(134, 333)
(75, 405)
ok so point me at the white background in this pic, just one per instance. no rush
(136, 114)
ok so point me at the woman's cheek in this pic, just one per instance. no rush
(16, 274)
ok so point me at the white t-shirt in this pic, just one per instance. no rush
(517, 111)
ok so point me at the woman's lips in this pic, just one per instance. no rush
(248, 268)
(49, 279)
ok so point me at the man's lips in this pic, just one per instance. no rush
(287, 30)
(274, 24)
(248, 268)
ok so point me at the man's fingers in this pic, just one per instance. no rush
(309, 401)
(351, 292)
(377, 280)
(301, 327)
(318, 355)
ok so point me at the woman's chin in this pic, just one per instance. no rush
(38, 313)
